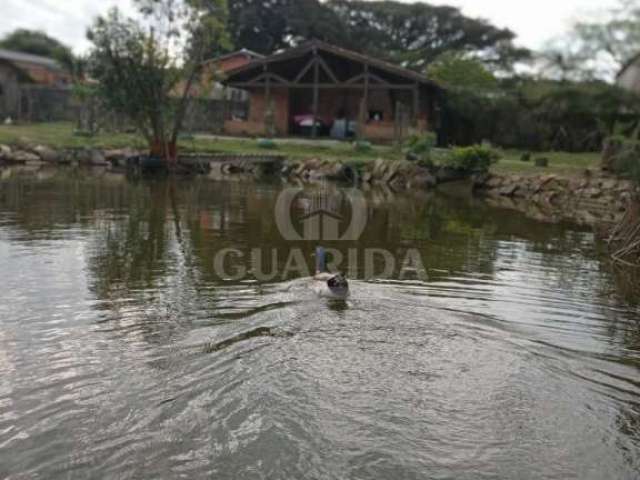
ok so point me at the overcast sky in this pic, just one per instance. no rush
(534, 22)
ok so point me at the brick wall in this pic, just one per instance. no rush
(244, 128)
(45, 76)
(330, 104)
(280, 98)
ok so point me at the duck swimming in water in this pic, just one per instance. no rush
(326, 284)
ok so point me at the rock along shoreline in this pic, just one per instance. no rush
(592, 198)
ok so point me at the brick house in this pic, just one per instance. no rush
(319, 89)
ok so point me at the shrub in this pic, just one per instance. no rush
(267, 144)
(83, 133)
(542, 162)
(419, 147)
(526, 157)
(362, 146)
(474, 159)
(626, 157)
(426, 163)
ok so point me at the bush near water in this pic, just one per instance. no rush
(621, 155)
(474, 159)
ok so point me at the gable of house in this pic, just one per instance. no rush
(41, 70)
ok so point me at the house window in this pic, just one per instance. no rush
(376, 115)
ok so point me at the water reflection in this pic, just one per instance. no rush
(123, 352)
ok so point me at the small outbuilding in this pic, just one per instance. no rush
(318, 89)
(23, 81)
(41, 70)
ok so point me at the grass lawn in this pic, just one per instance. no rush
(560, 163)
(60, 135)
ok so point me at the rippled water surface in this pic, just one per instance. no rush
(123, 354)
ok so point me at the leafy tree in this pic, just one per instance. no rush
(457, 71)
(269, 25)
(539, 115)
(416, 34)
(39, 43)
(261, 26)
(596, 49)
(310, 19)
(561, 61)
(613, 42)
(146, 69)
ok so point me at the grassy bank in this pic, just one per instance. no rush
(560, 163)
(61, 135)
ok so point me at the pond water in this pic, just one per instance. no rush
(126, 353)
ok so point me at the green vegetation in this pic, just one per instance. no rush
(413, 34)
(560, 163)
(455, 70)
(62, 135)
(39, 43)
(597, 48)
(362, 146)
(467, 160)
(146, 68)
(571, 106)
(267, 144)
(623, 156)
(420, 146)
(538, 115)
(474, 159)
(541, 162)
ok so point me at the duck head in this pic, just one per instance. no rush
(338, 285)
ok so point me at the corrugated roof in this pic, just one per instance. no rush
(14, 56)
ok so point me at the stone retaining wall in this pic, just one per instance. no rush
(398, 175)
(230, 163)
(40, 154)
(590, 199)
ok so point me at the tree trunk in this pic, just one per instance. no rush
(167, 150)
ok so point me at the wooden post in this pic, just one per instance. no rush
(267, 104)
(364, 106)
(361, 120)
(366, 84)
(267, 86)
(397, 135)
(347, 113)
(416, 105)
(19, 106)
(316, 80)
